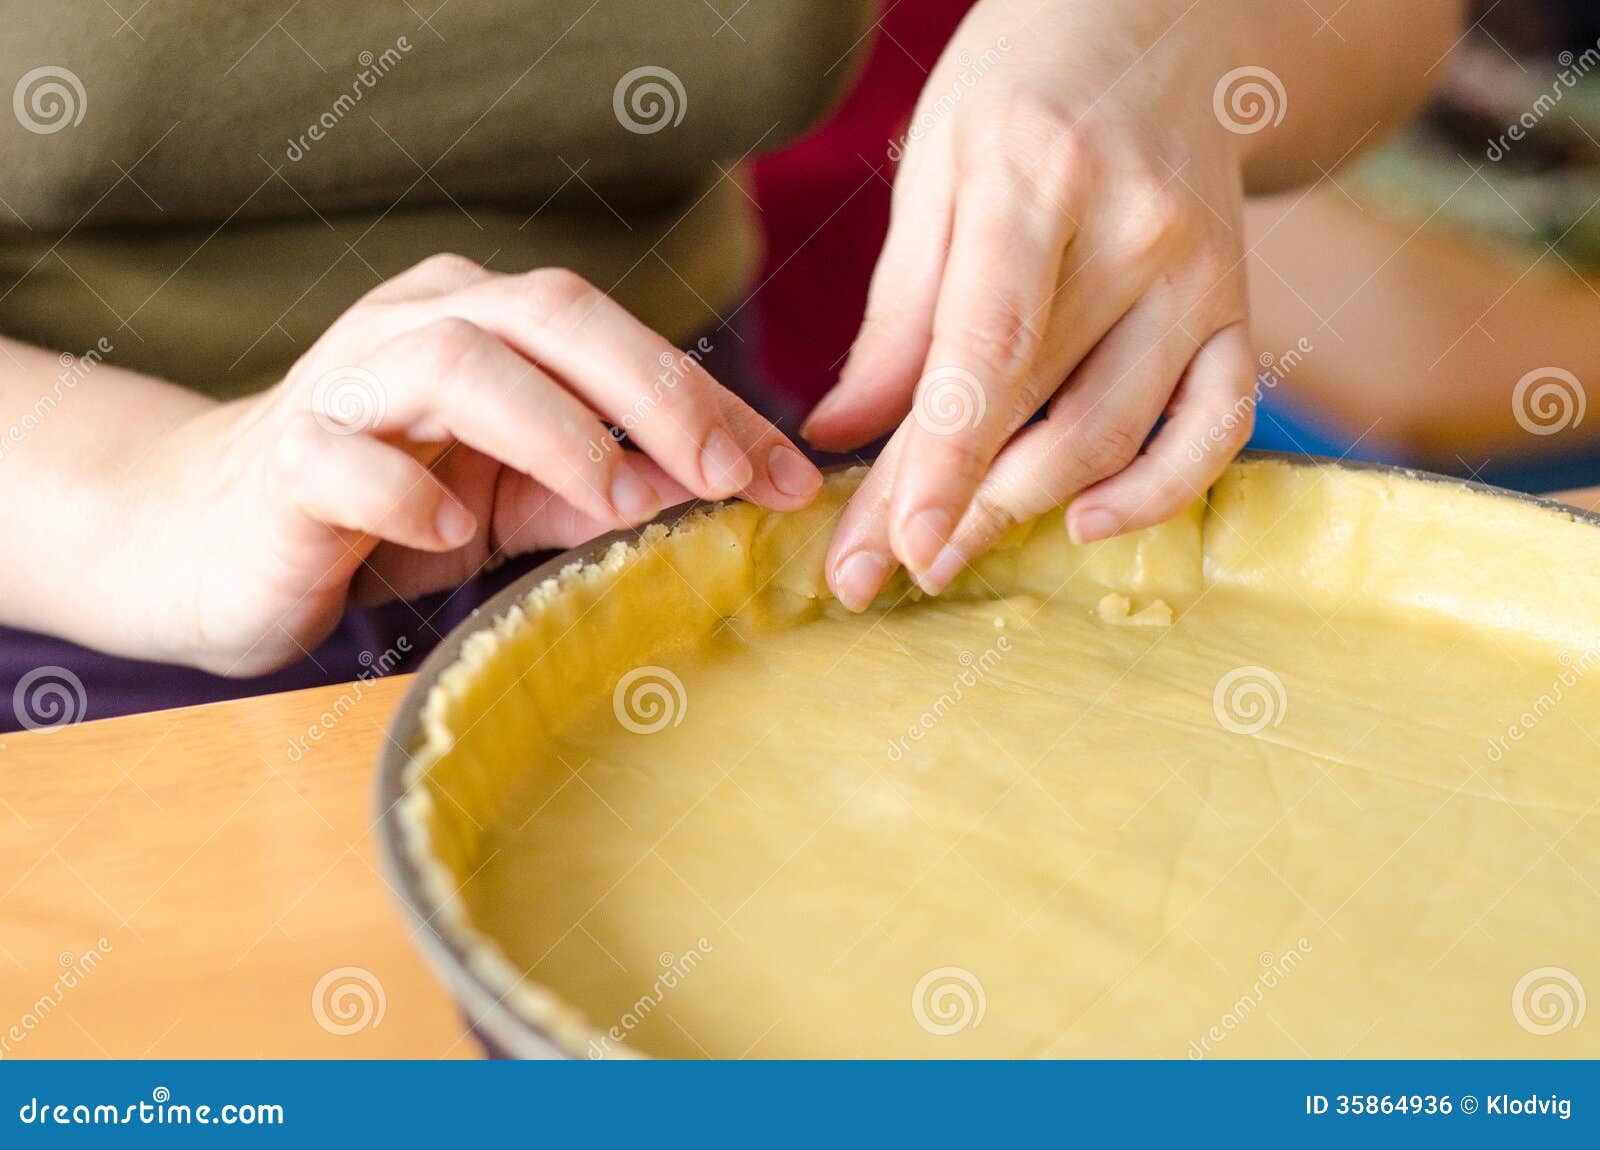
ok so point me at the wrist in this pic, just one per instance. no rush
(156, 531)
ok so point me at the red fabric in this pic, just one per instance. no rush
(825, 205)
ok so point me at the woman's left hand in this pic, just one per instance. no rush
(1066, 234)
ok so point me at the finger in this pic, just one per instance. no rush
(437, 275)
(452, 379)
(860, 560)
(666, 401)
(874, 389)
(1004, 261)
(529, 517)
(523, 516)
(1106, 273)
(363, 490)
(1093, 430)
(668, 490)
(788, 480)
(1211, 418)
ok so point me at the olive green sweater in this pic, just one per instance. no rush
(207, 187)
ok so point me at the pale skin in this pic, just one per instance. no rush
(233, 536)
(1492, 311)
(1068, 235)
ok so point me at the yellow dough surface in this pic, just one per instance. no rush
(1313, 770)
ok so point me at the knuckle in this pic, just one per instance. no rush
(962, 457)
(988, 518)
(442, 348)
(439, 273)
(298, 449)
(1031, 397)
(1155, 220)
(1040, 145)
(551, 293)
(999, 337)
(445, 266)
(1107, 450)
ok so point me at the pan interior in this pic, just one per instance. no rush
(1311, 769)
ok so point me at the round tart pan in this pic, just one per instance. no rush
(471, 975)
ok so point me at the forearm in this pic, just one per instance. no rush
(74, 433)
(1297, 94)
(1434, 328)
(1588, 498)
(1346, 82)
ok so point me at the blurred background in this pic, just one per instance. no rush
(1427, 278)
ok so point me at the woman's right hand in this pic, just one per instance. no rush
(451, 418)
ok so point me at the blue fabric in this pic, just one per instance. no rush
(1284, 425)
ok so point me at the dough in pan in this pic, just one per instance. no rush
(1347, 802)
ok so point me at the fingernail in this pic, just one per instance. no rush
(1091, 526)
(923, 535)
(631, 494)
(454, 523)
(792, 473)
(723, 465)
(942, 570)
(858, 578)
(824, 406)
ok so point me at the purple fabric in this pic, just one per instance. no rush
(49, 682)
(46, 682)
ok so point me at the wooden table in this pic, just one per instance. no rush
(227, 879)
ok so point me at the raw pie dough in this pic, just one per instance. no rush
(1312, 770)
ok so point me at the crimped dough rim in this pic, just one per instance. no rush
(1402, 540)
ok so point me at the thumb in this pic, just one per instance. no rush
(861, 407)
(875, 389)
